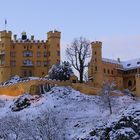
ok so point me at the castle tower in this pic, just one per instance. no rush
(54, 47)
(97, 66)
(5, 47)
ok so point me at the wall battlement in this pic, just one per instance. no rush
(6, 34)
(54, 34)
(96, 42)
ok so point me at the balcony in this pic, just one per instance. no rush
(2, 53)
(27, 65)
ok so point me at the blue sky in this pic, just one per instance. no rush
(114, 22)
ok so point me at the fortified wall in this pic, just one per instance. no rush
(25, 87)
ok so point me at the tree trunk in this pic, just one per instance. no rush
(109, 104)
(81, 77)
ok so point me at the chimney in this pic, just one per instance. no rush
(118, 59)
(15, 37)
(24, 36)
(32, 37)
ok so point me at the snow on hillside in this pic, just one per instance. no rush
(64, 113)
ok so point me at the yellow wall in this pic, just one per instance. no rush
(23, 87)
(86, 89)
(51, 46)
(137, 85)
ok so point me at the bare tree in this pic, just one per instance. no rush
(105, 93)
(78, 53)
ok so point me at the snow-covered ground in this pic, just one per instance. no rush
(66, 114)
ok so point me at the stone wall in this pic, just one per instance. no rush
(23, 87)
(84, 88)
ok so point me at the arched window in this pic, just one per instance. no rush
(129, 83)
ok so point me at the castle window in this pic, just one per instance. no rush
(27, 53)
(30, 47)
(38, 54)
(95, 53)
(49, 62)
(45, 54)
(38, 63)
(95, 68)
(58, 61)
(13, 54)
(13, 63)
(2, 62)
(30, 73)
(49, 54)
(104, 70)
(24, 47)
(2, 52)
(58, 53)
(108, 71)
(38, 47)
(129, 83)
(95, 60)
(13, 46)
(28, 62)
(112, 72)
(45, 63)
(44, 47)
(25, 73)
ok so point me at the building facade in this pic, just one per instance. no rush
(27, 56)
(122, 72)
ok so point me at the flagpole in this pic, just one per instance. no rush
(5, 24)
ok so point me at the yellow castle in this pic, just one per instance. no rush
(26, 56)
(124, 73)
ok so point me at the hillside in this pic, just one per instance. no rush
(64, 113)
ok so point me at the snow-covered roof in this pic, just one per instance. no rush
(131, 64)
(126, 65)
(111, 61)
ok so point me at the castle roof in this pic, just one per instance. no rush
(110, 61)
(131, 64)
(126, 65)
